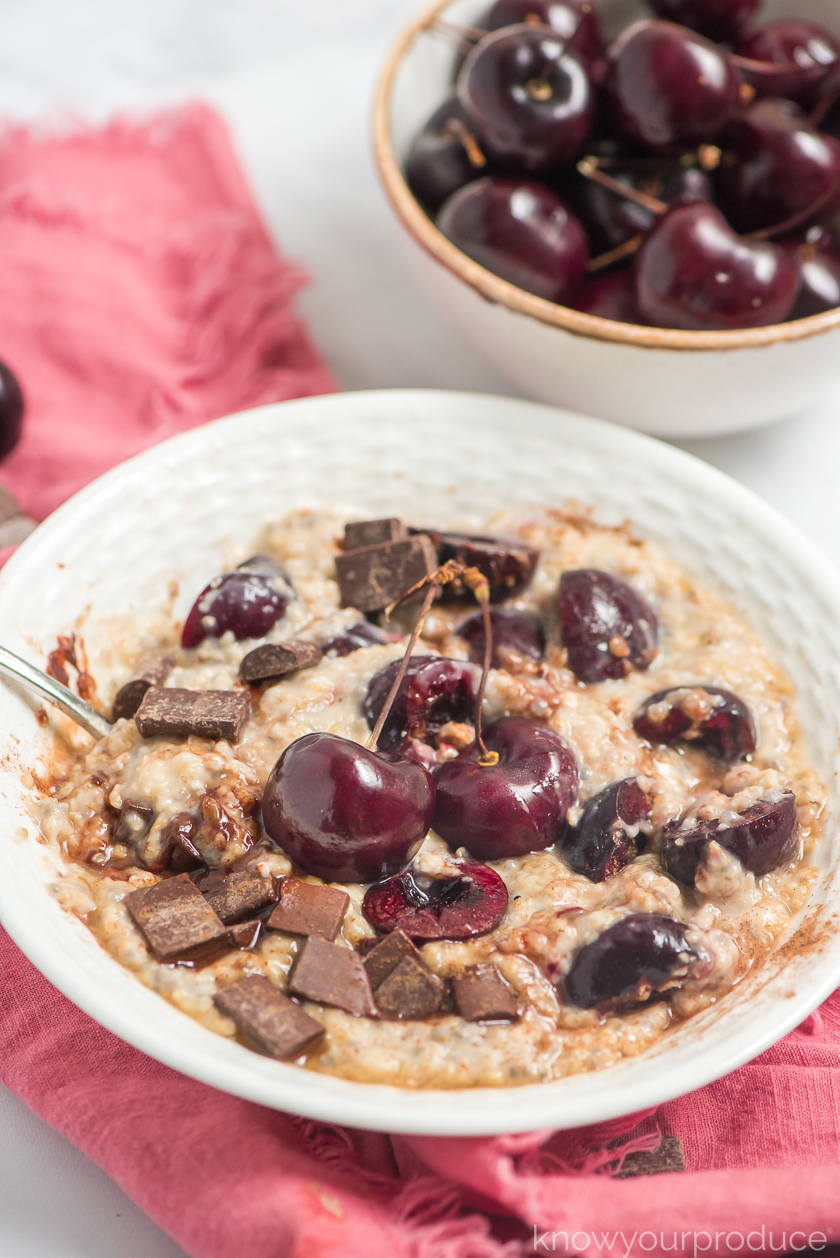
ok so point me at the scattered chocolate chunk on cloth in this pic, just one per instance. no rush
(307, 908)
(266, 1019)
(241, 893)
(668, 1157)
(482, 995)
(129, 696)
(331, 975)
(411, 992)
(361, 533)
(176, 921)
(275, 659)
(214, 714)
(376, 576)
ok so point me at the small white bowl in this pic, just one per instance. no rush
(659, 380)
(178, 513)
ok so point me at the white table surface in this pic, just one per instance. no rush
(295, 80)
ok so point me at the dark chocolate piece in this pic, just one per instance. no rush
(668, 1157)
(179, 842)
(332, 975)
(242, 893)
(376, 576)
(410, 992)
(305, 908)
(266, 1019)
(482, 995)
(129, 697)
(134, 822)
(246, 934)
(276, 658)
(176, 921)
(213, 714)
(373, 532)
(386, 954)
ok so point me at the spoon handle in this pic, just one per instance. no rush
(33, 680)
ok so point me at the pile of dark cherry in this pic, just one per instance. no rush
(667, 180)
(347, 813)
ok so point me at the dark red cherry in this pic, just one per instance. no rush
(11, 411)
(516, 806)
(442, 157)
(507, 564)
(462, 907)
(775, 165)
(575, 20)
(715, 720)
(686, 186)
(518, 637)
(246, 602)
(521, 232)
(531, 99)
(636, 956)
(611, 296)
(433, 692)
(818, 260)
(694, 272)
(763, 837)
(724, 21)
(608, 836)
(354, 639)
(669, 87)
(791, 42)
(608, 629)
(344, 813)
(611, 219)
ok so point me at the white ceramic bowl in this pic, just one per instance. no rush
(186, 507)
(662, 381)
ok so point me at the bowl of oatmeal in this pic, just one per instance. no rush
(629, 895)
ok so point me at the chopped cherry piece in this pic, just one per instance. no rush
(517, 637)
(791, 42)
(507, 564)
(608, 836)
(433, 692)
(722, 725)
(442, 159)
(612, 296)
(516, 806)
(608, 629)
(354, 639)
(344, 813)
(464, 907)
(636, 956)
(246, 602)
(763, 837)
(575, 20)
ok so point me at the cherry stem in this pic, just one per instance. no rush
(431, 593)
(622, 251)
(590, 169)
(480, 587)
(457, 129)
(796, 220)
(465, 34)
(765, 67)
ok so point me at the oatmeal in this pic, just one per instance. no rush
(499, 892)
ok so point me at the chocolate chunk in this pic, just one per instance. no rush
(668, 1157)
(129, 697)
(372, 533)
(276, 658)
(332, 975)
(410, 992)
(266, 1019)
(375, 576)
(482, 995)
(176, 921)
(246, 934)
(134, 822)
(386, 954)
(242, 893)
(179, 842)
(213, 714)
(306, 908)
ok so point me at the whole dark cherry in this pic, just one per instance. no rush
(608, 836)
(530, 98)
(433, 692)
(818, 260)
(764, 837)
(463, 907)
(611, 296)
(694, 272)
(11, 411)
(669, 87)
(721, 20)
(725, 730)
(517, 637)
(575, 20)
(630, 960)
(791, 42)
(516, 806)
(246, 602)
(608, 629)
(344, 813)
(442, 159)
(611, 219)
(521, 232)
(355, 639)
(507, 563)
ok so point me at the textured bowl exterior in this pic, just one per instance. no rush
(185, 508)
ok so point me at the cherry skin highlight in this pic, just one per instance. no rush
(636, 956)
(574, 20)
(245, 602)
(463, 907)
(608, 836)
(791, 42)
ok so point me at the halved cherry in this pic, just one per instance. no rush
(433, 692)
(507, 564)
(608, 836)
(517, 637)
(636, 956)
(715, 720)
(608, 629)
(246, 602)
(463, 907)
(763, 837)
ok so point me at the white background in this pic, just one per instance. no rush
(295, 80)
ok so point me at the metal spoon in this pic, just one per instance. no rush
(36, 682)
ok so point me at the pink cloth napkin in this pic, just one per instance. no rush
(143, 296)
